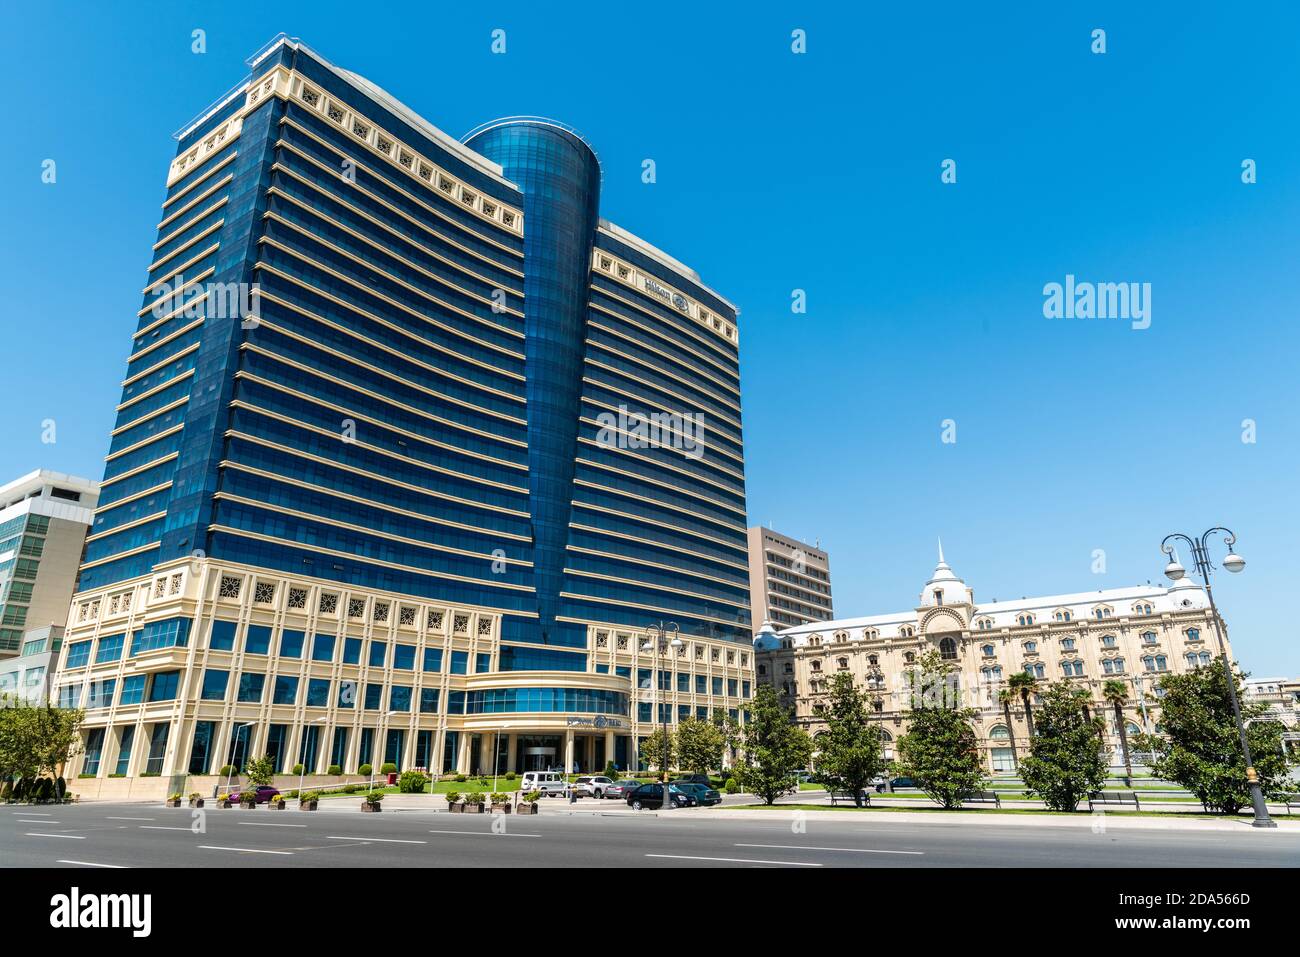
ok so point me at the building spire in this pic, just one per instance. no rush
(940, 551)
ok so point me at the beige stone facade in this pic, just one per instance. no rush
(789, 580)
(1131, 634)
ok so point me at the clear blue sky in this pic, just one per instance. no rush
(819, 172)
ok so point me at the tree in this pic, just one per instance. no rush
(36, 740)
(1116, 692)
(1025, 684)
(1066, 760)
(1199, 746)
(940, 751)
(260, 770)
(1005, 697)
(699, 745)
(774, 747)
(652, 750)
(851, 753)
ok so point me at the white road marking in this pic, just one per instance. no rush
(92, 864)
(161, 827)
(268, 824)
(806, 847)
(33, 813)
(733, 860)
(380, 840)
(71, 837)
(487, 833)
(242, 850)
(36, 820)
(109, 817)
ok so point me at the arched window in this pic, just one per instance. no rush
(948, 649)
(873, 660)
(988, 651)
(984, 624)
(1113, 666)
(1035, 669)
(1148, 637)
(1193, 634)
(1149, 663)
(1072, 669)
(843, 663)
(762, 669)
(1063, 614)
(786, 644)
(1205, 658)
(1108, 641)
(999, 732)
(816, 666)
(1031, 647)
(815, 640)
(909, 657)
(1131, 728)
(1025, 620)
(1162, 663)
(1067, 644)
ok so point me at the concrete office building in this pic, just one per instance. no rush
(413, 448)
(789, 580)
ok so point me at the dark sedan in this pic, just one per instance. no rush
(651, 797)
(704, 796)
(264, 794)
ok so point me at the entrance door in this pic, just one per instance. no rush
(538, 759)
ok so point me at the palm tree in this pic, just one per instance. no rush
(1025, 684)
(1005, 697)
(1116, 692)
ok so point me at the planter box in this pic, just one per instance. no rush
(527, 807)
(275, 805)
(473, 808)
(371, 808)
(248, 807)
(457, 808)
(173, 802)
(196, 802)
(307, 805)
(500, 808)
(225, 804)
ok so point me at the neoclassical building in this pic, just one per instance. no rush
(1131, 634)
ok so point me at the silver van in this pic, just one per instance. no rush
(548, 782)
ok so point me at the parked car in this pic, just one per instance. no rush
(621, 789)
(704, 796)
(696, 778)
(592, 785)
(550, 783)
(264, 793)
(651, 797)
(897, 783)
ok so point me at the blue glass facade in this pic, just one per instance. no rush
(413, 404)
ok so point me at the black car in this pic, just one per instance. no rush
(651, 797)
(704, 796)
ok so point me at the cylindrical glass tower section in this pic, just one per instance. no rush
(560, 178)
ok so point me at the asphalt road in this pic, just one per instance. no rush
(102, 835)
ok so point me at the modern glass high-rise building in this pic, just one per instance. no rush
(413, 447)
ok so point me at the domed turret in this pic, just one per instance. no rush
(944, 587)
(767, 639)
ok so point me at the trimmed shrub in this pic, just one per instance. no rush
(731, 787)
(411, 782)
(297, 769)
(334, 769)
(365, 769)
(388, 767)
(462, 778)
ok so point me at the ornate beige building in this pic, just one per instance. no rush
(1131, 634)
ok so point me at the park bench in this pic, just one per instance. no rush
(982, 797)
(1113, 799)
(847, 797)
(1292, 802)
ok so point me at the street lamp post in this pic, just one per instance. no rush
(1233, 563)
(230, 777)
(302, 765)
(661, 646)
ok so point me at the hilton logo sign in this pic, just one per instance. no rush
(677, 300)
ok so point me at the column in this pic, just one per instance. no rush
(512, 754)
(568, 751)
(609, 748)
(487, 741)
(462, 758)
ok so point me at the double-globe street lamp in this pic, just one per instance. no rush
(661, 644)
(1233, 563)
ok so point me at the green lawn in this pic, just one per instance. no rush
(1083, 812)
